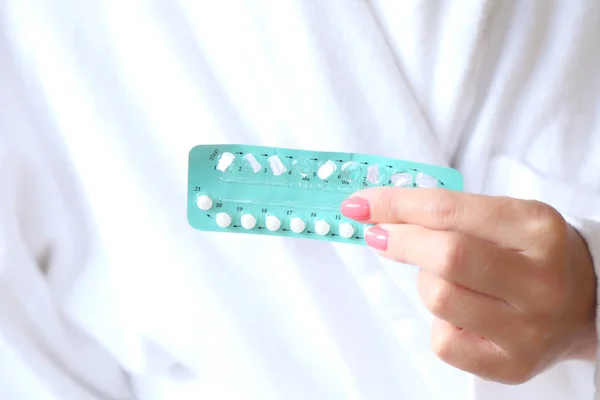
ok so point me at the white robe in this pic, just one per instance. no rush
(107, 293)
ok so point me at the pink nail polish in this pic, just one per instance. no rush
(356, 208)
(377, 238)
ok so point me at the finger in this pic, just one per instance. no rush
(503, 221)
(471, 353)
(457, 258)
(475, 312)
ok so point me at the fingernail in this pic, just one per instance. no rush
(356, 208)
(377, 238)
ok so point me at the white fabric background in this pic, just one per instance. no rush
(505, 91)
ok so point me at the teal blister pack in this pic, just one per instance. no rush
(295, 193)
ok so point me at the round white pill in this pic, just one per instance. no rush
(272, 223)
(346, 230)
(248, 221)
(297, 225)
(321, 227)
(425, 181)
(223, 219)
(326, 170)
(225, 161)
(204, 202)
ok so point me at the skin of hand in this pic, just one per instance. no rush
(511, 284)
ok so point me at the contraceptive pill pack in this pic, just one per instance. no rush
(291, 192)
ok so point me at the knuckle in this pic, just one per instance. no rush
(492, 216)
(517, 375)
(439, 298)
(520, 369)
(545, 220)
(452, 253)
(507, 370)
(387, 205)
(444, 208)
(441, 345)
(398, 249)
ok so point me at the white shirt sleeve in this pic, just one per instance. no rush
(589, 228)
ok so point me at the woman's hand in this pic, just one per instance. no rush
(511, 283)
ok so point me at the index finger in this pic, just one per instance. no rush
(503, 221)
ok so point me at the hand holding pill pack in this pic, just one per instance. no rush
(295, 193)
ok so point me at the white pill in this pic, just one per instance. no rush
(321, 227)
(326, 170)
(223, 219)
(297, 225)
(426, 181)
(401, 179)
(248, 221)
(346, 230)
(204, 202)
(277, 166)
(272, 223)
(253, 163)
(225, 161)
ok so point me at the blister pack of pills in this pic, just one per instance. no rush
(290, 192)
